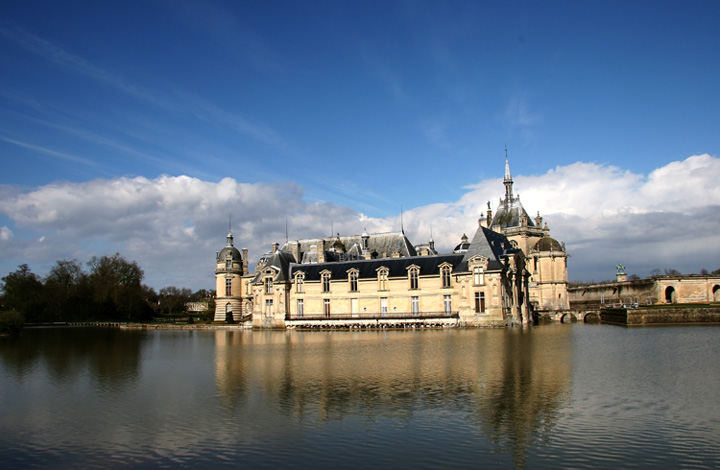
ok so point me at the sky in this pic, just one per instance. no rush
(149, 127)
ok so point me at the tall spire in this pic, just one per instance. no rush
(229, 235)
(508, 181)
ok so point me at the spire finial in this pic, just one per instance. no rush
(402, 226)
(508, 181)
(229, 235)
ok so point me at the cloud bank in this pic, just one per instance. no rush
(173, 225)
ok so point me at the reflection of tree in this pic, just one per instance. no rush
(111, 356)
(510, 381)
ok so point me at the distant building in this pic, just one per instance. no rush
(509, 270)
(690, 288)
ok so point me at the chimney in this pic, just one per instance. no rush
(295, 247)
(395, 254)
(275, 247)
(321, 251)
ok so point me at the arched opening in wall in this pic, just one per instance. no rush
(670, 296)
(716, 293)
(568, 318)
(592, 317)
(228, 313)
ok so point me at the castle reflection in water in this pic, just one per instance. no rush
(507, 384)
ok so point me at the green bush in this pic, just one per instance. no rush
(11, 322)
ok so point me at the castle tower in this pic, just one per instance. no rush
(546, 257)
(229, 270)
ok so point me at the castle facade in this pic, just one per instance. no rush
(508, 273)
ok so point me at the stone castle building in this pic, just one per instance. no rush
(509, 271)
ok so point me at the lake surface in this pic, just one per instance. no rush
(551, 396)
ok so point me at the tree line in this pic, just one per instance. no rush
(110, 289)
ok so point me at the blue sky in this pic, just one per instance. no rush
(121, 122)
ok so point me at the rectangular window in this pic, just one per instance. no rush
(415, 305)
(326, 282)
(228, 264)
(478, 276)
(447, 304)
(353, 281)
(268, 285)
(228, 287)
(445, 276)
(299, 284)
(383, 306)
(268, 307)
(382, 280)
(326, 307)
(480, 302)
(300, 308)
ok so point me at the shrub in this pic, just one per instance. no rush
(11, 322)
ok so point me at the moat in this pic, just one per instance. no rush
(550, 396)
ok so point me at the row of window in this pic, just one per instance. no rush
(413, 277)
(414, 305)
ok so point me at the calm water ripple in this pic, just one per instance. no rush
(557, 396)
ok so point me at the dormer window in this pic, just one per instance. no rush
(268, 285)
(478, 276)
(353, 280)
(414, 277)
(326, 282)
(228, 263)
(445, 275)
(300, 283)
(382, 278)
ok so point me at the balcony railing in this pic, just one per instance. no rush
(376, 316)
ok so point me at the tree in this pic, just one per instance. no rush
(23, 292)
(67, 292)
(116, 285)
(655, 272)
(672, 272)
(704, 272)
(173, 300)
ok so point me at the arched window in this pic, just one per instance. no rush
(716, 293)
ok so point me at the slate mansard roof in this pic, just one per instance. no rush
(377, 243)
(368, 269)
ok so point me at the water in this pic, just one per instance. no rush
(553, 396)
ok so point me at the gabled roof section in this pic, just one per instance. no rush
(280, 262)
(489, 244)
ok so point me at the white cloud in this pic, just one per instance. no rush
(172, 226)
(5, 233)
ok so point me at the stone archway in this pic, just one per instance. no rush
(568, 318)
(670, 296)
(716, 293)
